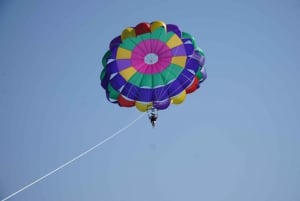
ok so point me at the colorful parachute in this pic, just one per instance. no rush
(152, 65)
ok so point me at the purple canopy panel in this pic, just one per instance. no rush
(112, 68)
(174, 28)
(192, 64)
(160, 93)
(161, 105)
(145, 95)
(115, 42)
(189, 48)
(118, 82)
(179, 51)
(201, 59)
(131, 91)
(105, 81)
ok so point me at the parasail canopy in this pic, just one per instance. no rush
(152, 65)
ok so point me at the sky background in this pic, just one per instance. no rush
(235, 139)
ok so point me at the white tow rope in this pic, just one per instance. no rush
(75, 158)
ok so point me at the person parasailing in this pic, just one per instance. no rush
(152, 115)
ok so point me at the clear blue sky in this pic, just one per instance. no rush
(235, 139)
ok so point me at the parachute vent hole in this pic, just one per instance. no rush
(151, 58)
